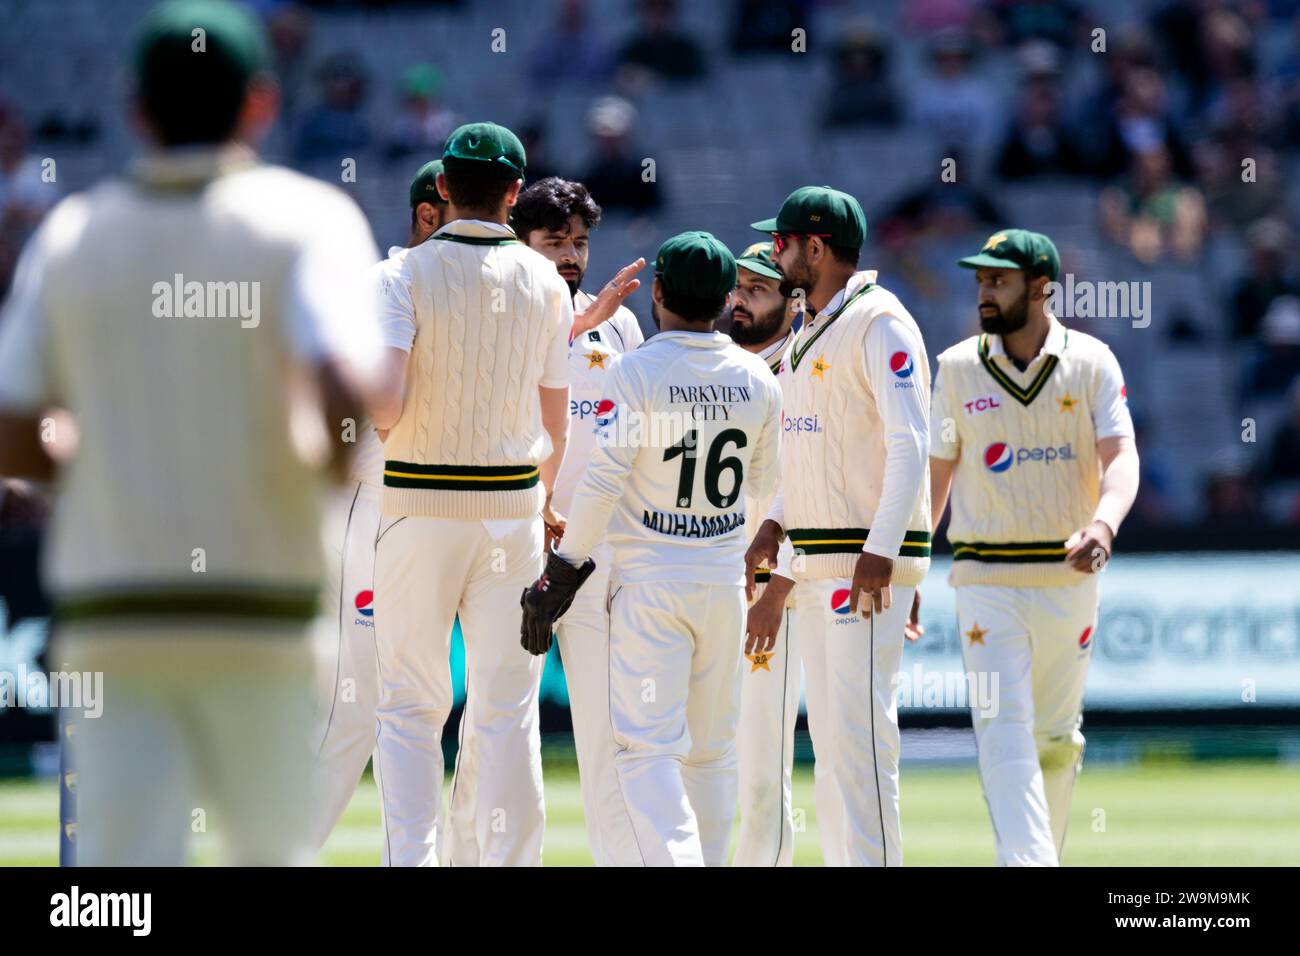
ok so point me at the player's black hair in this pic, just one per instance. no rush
(200, 105)
(549, 203)
(846, 255)
(692, 309)
(477, 186)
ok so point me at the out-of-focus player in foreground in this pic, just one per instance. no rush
(352, 694)
(178, 314)
(762, 322)
(555, 217)
(1031, 430)
(689, 423)
(855, 504)
(478, 330)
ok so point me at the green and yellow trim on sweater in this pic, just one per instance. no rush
(916, 544)
(405, 474)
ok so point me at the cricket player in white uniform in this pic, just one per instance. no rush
(689, 424)
(352, 694)
(855, 505)
(555, 217)
(762, 321)
(1031, 431)
(183, 314)
(478, 328)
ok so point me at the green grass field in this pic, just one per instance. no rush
(1175, 814)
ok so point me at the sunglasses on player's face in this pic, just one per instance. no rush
(779, 239)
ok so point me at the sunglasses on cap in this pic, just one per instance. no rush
(779, 239)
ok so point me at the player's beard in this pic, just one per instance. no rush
(798, 276)
(574, 283)
(1004, 323)
(756, 329)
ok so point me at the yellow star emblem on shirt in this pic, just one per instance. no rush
(595, 359)
(820, 367)
(975, 634)
(1068, 403)
(760, 662)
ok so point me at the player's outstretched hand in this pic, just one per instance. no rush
(872, 574)
(912, 629)
(548, 598)
(762, 552)
(1088, 549)
(554, 523)
(611, 296)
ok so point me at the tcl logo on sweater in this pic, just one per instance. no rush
(999, 456)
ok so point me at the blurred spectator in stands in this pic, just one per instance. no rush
(615, 177)
(25, 193)
(951, 101)
(1244, 130)
(930, 16)
(1140, 117)
(1227, 55)
(766, 26)
(1153, 505)
(1284, 88)
(1231, 496)
(533, 136)
(337, 127)
(424, 122)
(1059, 22)
(1268, 276)
(570, 51)
(1152, 214)
(288, 26)
(1038, 141)
(861, 91)
(1283, 462)
(1278, 362)
(659, 50)
(939, 210)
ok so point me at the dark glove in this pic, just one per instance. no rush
(548, 598)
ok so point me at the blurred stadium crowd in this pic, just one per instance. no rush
(1131, 159)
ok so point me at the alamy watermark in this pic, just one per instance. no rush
(208, 300)
(953, 690)
(1100, 300)
(41, 690)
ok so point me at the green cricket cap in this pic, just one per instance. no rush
(1031, 252)
(424, 187)
(486, 142)
(696, 265)
(204, 43)
(821, 210)
(757, 258)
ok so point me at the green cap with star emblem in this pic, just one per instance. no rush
(757, 259)
(486, 142)
(1031, 252)
(696, 265)
(424, 187)
(823, 211)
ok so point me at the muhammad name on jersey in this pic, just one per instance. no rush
(693, 526)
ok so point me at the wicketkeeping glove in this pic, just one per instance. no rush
(548, 598)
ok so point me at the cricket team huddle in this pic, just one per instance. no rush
(695, 575)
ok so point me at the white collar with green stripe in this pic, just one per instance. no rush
(477, 232)
(1054, 344)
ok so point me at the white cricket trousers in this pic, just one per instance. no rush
(349, 695)
(583, 636)
(204, 728)
(674, 698)
(851, 662)
(769, 708)
(427, 572)
(1037, 643)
